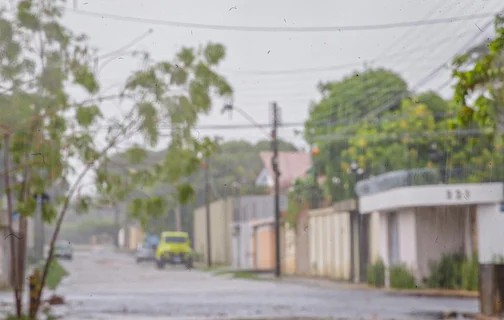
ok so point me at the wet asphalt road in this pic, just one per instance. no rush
(104, 284)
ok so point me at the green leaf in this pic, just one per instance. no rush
(82, 204)
(49, 213)
(27, 19)
(199, 96)
(86, 115)
(85, 78)
(186, 56)
(149, 119)
(56, 274)
(214, 53)
(136, 155)
(179, 76)
(185, 193)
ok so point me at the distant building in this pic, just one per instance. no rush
(292, 165)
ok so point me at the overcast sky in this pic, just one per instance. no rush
(283, 66)
(271, 66)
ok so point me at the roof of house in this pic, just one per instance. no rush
(292, 165)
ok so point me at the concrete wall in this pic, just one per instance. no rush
(407, 238)
(303, 244)
(490, 224)
(250, 208)
(289, 250)
(440, 231)
(424, 235)
(329, 238)
(374, 237)
(221, 212)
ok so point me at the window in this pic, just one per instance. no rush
(175, 239)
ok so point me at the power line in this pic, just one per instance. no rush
(230, 126)
(424, 80)
(327, 68)
(283, 29)
(293, 124)
(431, 74)
(407, 33)
(392, 137)
(429, 36)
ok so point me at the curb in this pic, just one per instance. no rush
(479, 316)
(329, 283)
(435, 293)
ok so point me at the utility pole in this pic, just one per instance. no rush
(178, 222)
(274, 160)
(207, 205)
(117, 224)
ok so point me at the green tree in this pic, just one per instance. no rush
(232, 161)
(480, 79)
(343, 104)
(42, 58)
(479, 97)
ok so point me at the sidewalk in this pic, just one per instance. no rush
(329, 283)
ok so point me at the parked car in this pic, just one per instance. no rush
(63, 249)
(145, 252)
(174, 248)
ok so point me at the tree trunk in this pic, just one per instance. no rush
(14, 254)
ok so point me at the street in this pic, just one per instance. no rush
(104, 284)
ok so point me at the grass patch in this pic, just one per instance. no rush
(220, 272)
(205, 268)
(238, 274)
(209, 269)
(246, 275)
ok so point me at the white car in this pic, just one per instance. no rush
(63, 249)
(145, 252)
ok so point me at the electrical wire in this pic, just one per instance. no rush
(424, 80)
(393, 137)
(127, 46)
(407, 33)
(282, 29)
(426, 36)
(431, 74)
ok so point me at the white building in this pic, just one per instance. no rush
(419, 224)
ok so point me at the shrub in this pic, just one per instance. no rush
(376, 274)
(401, 278)
(447, 273)
(470, 273)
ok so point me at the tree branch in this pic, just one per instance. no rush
(64, 209)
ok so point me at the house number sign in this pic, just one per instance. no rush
(458, 194)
